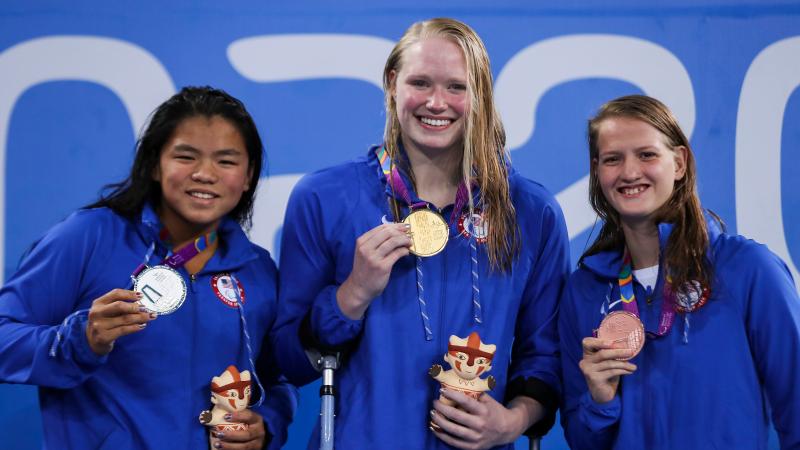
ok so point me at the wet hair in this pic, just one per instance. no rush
(484, 159)
(685, 255)
(129, 196)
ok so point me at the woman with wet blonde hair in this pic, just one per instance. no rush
(484, 155)
(431, 235)
(672, 330)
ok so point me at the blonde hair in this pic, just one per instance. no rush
(484, 159)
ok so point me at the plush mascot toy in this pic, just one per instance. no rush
(468, 359)
(230, 392)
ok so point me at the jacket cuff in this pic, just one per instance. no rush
(326, 327)
(77, 341)
(599, 416)
(541, 392)
(274, 438)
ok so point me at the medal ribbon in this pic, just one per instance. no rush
(182, 256)
(629, 299)
(398, 186)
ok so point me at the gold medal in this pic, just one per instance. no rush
(429, 232)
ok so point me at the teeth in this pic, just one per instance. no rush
(202, 195)
(435, 122)
(632, 190)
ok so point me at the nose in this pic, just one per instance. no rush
(631, 170)
(436, 101)
(204, 173)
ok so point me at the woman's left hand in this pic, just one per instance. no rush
(253, 438)
(477, 424)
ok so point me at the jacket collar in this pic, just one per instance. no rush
(233, 252)
(607, 264)
(372, 158)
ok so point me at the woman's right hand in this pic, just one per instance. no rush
(602, 368)
(115, 314)
(376, 252)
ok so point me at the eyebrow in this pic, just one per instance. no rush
(637, 149)
(222, 152)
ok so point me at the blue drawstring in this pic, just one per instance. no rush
(423, 306)
(477, 311)
(240, 307)
(686, 327)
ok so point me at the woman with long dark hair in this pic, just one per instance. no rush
(672, 330)
(489, 259)
(124, 312)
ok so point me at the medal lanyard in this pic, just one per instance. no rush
(629, 299)
(179, 258)
(398, 186)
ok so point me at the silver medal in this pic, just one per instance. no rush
(163, 289)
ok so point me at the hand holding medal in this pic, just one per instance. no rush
(115, 314)
(603, 362)
(376, 252)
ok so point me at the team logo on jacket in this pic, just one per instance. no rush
(222, 284)
(693, 297)
(470, 225)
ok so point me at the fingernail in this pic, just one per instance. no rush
(433, 413)
(407, 226)
(138, 294)
(228, 416)
(153, 315)
(217, 444)
(142, 325)
(220, 435)
(142, 309)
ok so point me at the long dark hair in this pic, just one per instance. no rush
(685, 256)
(127, 198)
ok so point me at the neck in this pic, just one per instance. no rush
(642, 243)
(180, 232)
(436, 174)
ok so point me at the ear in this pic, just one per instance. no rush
(393, 83)
(593, 163)
(681, 153)
(249, 177)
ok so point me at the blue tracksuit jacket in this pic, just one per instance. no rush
(384, 390)
(148, 392)
(743, 353)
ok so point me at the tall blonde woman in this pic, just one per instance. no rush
(349, 281)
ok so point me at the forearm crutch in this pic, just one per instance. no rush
(328, 364)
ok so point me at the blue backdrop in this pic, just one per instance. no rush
(79, 79)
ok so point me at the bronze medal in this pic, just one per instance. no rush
(625, 330)
(429, 232)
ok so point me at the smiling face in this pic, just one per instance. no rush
(636, 169)
(430, 91)
(203, 171)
